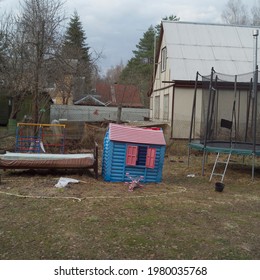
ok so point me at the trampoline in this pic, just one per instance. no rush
(226, 115)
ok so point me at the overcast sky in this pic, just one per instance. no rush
(114, 27)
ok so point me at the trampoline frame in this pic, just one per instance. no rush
(237, 148)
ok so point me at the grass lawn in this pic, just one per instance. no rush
(180, 218)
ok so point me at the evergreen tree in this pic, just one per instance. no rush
(139, 69)
(169, 18)
(76, 54)
(75, 45)
(144, 53)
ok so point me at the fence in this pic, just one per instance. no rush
(96, 113)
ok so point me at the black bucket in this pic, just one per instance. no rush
(219, 187)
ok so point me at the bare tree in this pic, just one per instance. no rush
(113, 74)
(256, 13)
(64, 73)
(39, 24)
(4, 26)
(13, 72)
(235, 13)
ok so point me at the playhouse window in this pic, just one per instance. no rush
(150, 157)
(131, 155)
(140, 156)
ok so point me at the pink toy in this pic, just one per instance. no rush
(135, 182)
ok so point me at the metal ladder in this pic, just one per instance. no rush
(225, 168)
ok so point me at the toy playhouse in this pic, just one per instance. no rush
(135, 151)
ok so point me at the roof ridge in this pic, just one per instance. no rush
(209, 23)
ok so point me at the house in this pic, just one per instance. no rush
(90, 100)
(120, 95)
(64, 83)
(23, 109)
(135, 151)
(113, 95)
(61, 92)
(186, 48)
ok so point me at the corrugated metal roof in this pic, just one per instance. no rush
(193, 47)
(130, 134)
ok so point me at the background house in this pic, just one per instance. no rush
(113, 95)
(25, 108)
(184, 49)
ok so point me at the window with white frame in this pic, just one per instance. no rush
(163, 59)
(166, 107)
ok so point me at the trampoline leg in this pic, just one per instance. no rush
(189, 157)
(203, 163)
(253, 167)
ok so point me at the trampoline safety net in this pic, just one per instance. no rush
(226, 109)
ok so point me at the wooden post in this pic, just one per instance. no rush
(119, 112)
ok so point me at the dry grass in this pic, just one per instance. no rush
(181, 218)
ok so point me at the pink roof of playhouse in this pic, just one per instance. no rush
(131, 134)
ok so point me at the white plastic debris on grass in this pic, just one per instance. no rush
(63, 182)
(191, 175)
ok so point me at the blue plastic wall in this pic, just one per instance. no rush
(114, 158)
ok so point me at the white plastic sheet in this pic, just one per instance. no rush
(63, 182)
